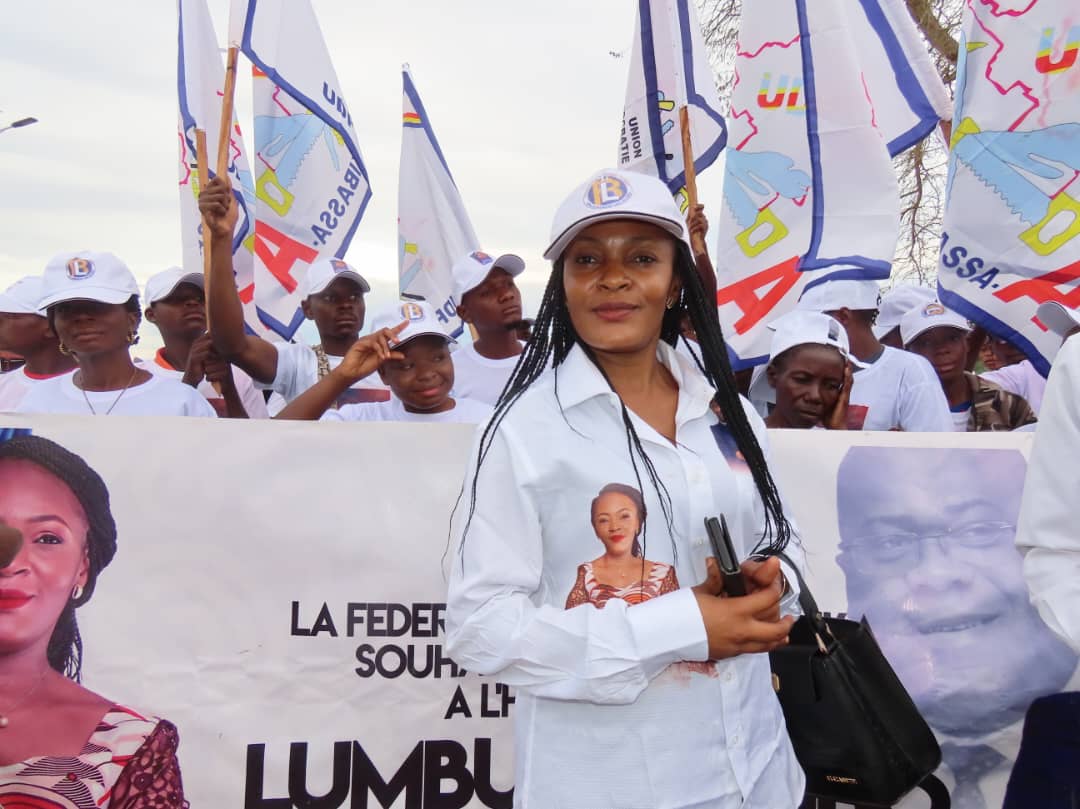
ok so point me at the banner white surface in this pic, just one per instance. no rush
(1012, 214)
(290, 625)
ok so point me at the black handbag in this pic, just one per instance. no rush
(855, 730)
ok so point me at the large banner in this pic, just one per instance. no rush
(826, 93)
(288, 617)
(1012, 211)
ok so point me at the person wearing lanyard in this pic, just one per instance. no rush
(655, 692)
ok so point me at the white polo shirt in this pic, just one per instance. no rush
(477, 377)
(15, 385)
(157, 396)
(252, 399)
(298, 370)
(609, 713)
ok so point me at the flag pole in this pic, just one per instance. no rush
(225, 129)
(203, 170)
(696, 240)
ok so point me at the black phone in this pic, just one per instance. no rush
(724, 551)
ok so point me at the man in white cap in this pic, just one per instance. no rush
(896, 390)
(26, 332)
(175, 303)
(411, 353)
(940, 335)
(487, 298)
(896, 303)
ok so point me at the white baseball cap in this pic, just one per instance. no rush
(422, 321)
(86, 275)
(21, 298)
(929, 316)
(847, 293)
(614, 194)
(798, 328)
(897, 302)
(471, 270)
(162, 285)
(323, 272)
(1053, 315)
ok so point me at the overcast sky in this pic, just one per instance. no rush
(525, 98)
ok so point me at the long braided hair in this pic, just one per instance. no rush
(554, 336)
(65, 648)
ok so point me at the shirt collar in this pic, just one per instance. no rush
(580, 380)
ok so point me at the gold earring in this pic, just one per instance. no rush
(64, 349)
(670, 303)
(76, 593)
(132, 338)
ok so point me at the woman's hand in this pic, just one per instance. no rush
(368, 353)
(836, 419)
(747, 624)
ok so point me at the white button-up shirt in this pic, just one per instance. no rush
(609, 713)
(1047, 532)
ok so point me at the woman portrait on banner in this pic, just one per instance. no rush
(62, 745)
(608, 715)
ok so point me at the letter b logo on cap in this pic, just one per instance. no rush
(412, 312)
(605, 191)
(80, 268)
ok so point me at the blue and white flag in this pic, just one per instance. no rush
(434, 229)
(310, 181)
(669, 69)
(199, 77)
(826, 93)
(1012, 218)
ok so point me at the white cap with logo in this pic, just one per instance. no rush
(471, 270)
(930, 316)
(897, 302)
(323, 272)
(847, 293)
(164, 283)
(1056, 317)
(615, 194)
(22, 297)
(422, 321)
(86, 275)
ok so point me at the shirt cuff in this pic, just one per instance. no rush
(669, 628)
(789, 602)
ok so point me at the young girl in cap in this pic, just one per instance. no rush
(608, 714)
(92, 303)
(411, 352)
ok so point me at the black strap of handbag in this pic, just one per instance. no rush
(806, 599)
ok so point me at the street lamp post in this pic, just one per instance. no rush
(18, 124)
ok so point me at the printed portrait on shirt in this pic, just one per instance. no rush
(617, 515)
(927, 550)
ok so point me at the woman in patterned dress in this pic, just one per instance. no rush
(618, 512)
(61, 745)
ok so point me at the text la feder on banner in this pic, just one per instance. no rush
(310, 181)
(1012, 214)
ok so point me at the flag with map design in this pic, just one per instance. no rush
(1012, 218)
(311, 185)
(826, 94)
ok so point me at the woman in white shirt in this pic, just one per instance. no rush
(92, 302)
(654, 696)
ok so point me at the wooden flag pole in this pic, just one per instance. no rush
(203, 170)
(225, 129)
(696, 240)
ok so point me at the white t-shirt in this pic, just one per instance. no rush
(464, 411)
(960, 419)
(1022, 379)
(298, 370)
(15, 385)
(477, 377)
(252, 399)
(899, 391)
(158, 396)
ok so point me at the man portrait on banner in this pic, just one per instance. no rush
(926, 547)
